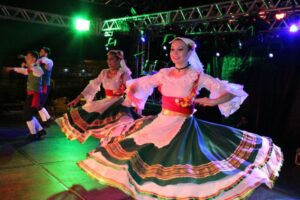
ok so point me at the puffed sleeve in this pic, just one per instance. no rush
(127, 77)
(219, 87)
(21, 70)
(143, 88)
(93, 87)
(37, 71)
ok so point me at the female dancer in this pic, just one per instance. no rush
(101, 118)
(177, 156)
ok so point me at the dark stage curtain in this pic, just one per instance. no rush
(273, 105)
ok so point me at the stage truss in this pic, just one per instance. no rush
(45, 18)
(225, 17)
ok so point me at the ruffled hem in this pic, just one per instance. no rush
(110, 123)
(237, 186)
(105, 133)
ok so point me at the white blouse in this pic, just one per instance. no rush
(113, 83)
(181, 87)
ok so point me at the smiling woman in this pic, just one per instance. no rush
(99, 118)
(176, 156)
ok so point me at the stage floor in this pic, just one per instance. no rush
(47, 169)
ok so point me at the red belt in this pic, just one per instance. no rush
(35, 103)
(169, 103)
(112, 93)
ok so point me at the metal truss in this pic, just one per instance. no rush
(112, 3)
(38, 17)
(147, 6)
(224, 17)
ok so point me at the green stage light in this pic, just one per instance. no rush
(82, 24)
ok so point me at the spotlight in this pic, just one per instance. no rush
(143, 38)
(262, 15)
(164, 47)
(218, 54)
(83, 71)
(66, 69)
(271, 55)
(240, 44)
(82, 24)
(106, 48)
(294, 28)
(280, 16)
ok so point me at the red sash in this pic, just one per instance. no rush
(35, 103)
(182, 105)
(120, 91)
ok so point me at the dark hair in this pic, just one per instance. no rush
(35, 54)
(190, 48)
(47, 50)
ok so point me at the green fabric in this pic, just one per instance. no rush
(197, 143)
(34, 83)
(111, 112)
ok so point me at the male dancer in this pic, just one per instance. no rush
(47, 65)
(34, 88)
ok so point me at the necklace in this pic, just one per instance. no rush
(179, 69)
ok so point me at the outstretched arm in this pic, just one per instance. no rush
(19, 70)
(214, 102)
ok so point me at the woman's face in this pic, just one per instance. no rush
(112, 61)
(179, 52)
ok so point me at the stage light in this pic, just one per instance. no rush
(166, 55)
(82, 24)
(66, 69)
(142, 34)
(83, 71)
(280, 16)
(294, 28)
(262, 15)
(164, 47)
(106, 48)
(271, 55)
(218, 54)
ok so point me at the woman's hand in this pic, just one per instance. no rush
(75, 101)
(23, 64)
(8, 69)
(206, 102)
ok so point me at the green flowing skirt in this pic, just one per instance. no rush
(203, 161)
(78, 124)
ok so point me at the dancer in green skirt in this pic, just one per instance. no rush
(176, 156)
(106, 117)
